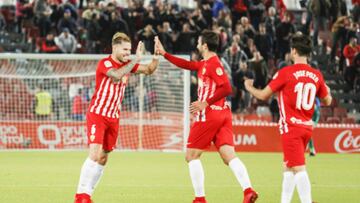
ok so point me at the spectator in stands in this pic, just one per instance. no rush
(68, 22)
(48, 44)
(264, 42)
(147, 35)
(271, 22)
(286, 62)
(260, 68)
(234, 54)
(320, 11)
(88, 14)
(239, 30)
(2, 22)
(93, 30)
(244, 97)
(165, 35)
(248, 28)
(218, 5)
(256, 12)
(338, 35)
(66, 42)
(283, 33)
(78, 106)
(24, 10)
(43, 104)
(42, 13)
(350, 51)
(199, 19)
(239, 8)
(185, 43)
(117, 24)
(274, 109)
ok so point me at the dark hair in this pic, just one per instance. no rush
(302, 44)
(211, 39)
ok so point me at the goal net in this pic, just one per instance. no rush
(152, 113)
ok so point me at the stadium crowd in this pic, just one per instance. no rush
(255, 35)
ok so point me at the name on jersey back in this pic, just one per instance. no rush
(305, 73)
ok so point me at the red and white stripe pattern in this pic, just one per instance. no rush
(283, 126)
(206, 90)
(108, 97)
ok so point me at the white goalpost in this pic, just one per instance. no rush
(154, 112)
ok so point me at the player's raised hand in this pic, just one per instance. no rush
(249, 83)
(197, 106)
(159, 48)
(139, 50)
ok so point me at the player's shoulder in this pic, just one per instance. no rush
(105, 62)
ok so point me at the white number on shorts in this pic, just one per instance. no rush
(305, 95)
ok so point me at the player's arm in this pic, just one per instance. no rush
(327, 100)
(221, 91)
(276, 84)
(181, 63)
(117, 74)
(149, 68)
(262, 94)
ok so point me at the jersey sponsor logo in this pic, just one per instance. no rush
(108, 64)
(346, 142)
(219, 71)
(203, 71)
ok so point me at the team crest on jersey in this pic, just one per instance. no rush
(203, 71)
(219, 71)
(108, 64)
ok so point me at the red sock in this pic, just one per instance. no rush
(199, 198)
(82, 196)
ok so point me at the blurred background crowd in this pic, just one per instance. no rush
(254, 37)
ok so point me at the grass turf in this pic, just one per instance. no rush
(154, 177)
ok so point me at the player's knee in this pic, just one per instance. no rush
(227, 158)
(102, 159)
(190, 157)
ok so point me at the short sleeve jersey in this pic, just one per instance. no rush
(297, 86)
(108, 95)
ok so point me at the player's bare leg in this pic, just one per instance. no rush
(229, 157)
(196, 173)
(91, 173)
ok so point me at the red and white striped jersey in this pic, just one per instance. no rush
(297, 87)
(211, 75)
(108, 94)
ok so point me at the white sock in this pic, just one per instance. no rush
(90, 175)
(288, 186)
(240, 172)
(197, 177)
(303, 186)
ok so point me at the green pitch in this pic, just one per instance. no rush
(139, 177)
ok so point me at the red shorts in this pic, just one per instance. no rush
(294, 144)
(102, 130)
(217, 128)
